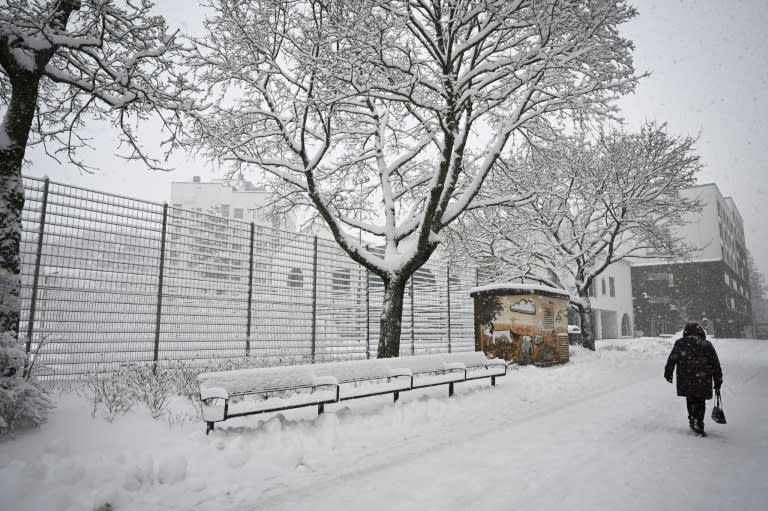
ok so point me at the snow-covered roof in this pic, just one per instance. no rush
(516, 287)
(665, 262)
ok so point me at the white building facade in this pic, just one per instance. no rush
(243, 202)
(611, 298)
(710, 286)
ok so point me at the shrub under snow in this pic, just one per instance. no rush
(23, 401)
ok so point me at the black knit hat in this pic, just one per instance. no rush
(694, 330)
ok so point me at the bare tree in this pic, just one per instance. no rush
(757, 290)
(596, 202)
(63, 62)
(385, 117)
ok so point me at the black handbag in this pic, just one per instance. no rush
(718, 415)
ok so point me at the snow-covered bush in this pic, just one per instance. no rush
(110, 394)
(23, 401)
(153, 388)
(115, 393)
(184, 378)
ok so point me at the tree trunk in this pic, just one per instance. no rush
(391, 322)
(14, 131)
(587, 329)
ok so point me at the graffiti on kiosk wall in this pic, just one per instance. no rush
(524, 307)
(526, 329)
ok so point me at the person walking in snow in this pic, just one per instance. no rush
(698, 370)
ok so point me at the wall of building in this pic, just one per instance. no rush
(701, 230)
(612, 302)
(667, 296)
(244, 202)
(717, 231)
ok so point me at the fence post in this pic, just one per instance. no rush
(160, 287)
(250, 295)
(314, 298)
(367, 314)
(448, 296)
(413, 323)
(36, 277)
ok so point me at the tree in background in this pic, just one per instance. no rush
(595, 202)
(62, 63)
(757, 291)
(386, 117)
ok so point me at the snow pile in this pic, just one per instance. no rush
(648, 347)
(597, 432)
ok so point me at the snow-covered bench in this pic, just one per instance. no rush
(304, 387)
(286, 387)
(478, 365)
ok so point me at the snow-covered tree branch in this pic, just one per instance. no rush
(596, 202)
(387, 116)
(63, 62)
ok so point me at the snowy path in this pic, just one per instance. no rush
(603, 432)
(627, 447)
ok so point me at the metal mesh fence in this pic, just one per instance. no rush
(109, 280)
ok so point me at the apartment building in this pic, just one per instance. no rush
(710, 286)
(240, 201)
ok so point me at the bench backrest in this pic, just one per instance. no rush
(272, 379)
(468, 358)
(419, 363)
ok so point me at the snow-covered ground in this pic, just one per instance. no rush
(605, 431)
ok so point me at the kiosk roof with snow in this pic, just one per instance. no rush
(512, 288)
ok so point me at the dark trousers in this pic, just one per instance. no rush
(696, 408)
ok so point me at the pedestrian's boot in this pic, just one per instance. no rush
(692, 423)
(699, 428)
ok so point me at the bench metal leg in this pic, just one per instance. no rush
(320, 408)
(397, 396)
(208, 427)
(493, 381)
(450, 389)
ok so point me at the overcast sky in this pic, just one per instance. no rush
(709, 65)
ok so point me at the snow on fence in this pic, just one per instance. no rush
(109, 280)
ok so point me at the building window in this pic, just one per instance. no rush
(295, 278)
(612, 286)
(224, 210)
(592, 290)
(239, 213)
(341, 280)
(602, 286)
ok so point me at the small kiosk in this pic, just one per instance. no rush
(524, 323)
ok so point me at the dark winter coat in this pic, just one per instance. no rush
(698, 368)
